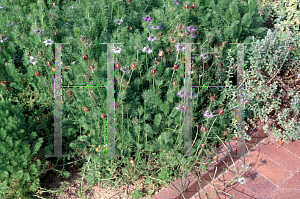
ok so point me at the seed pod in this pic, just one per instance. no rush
(85, 109)
(174, 83)
(220, 111)
(290, 48)
(130, 28)
(175, 31)
(186, 6)
(28, 54)
(168, 49)
(37, 74)
(56, 33)
(175, 66)
(246, 101)
(198, 33)
(188, 33)
(203, 129)
(49, 63)
(133, 66)
(159, 34)
(161, 53)
(53, 69)
(7, 89)
(54, 4)
(153, 71)
(92, 67)
(103, 116)
(118, 66)
(4, 82)
(40, 53)
(193, 6)
(179, 27)
(85, 57)
(202, 145)
(70, 92)
(220, 64)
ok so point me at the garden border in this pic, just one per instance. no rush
(192, 185)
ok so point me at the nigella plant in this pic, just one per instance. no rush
(147, 18)
(116, 51)
(182, 93)
(118, 21)
(176, 2)
(2, 40)
(147, 50)
(38, 31)
(152, 38)
(33, 60)
(49, 42)
(180, 47)
(208, 115)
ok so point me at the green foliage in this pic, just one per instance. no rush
(17, 151)
(149, 114)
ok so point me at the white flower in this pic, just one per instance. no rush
(241, 180)
(49, 42)
(116, 51)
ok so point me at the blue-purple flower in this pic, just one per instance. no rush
(118, 21)
(203, 57)
(148, 50)
(116, 51)
(2, 40)
(124, 70)
(182, 93)
(147, 18)
(190, 28)
(208, 115)
(38, 31)
(49, 42)
(33, 60)
(176, 2)
(152, 38)
(180, 47)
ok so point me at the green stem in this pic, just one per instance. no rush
(112, 10)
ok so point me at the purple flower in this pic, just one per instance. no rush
(147, 50)
(180, 94)
(161, 26)
(176, 2)
(117, 51)
(118, 21)
(180, 48)
(152, 38)
(3, 40)
(1, 7)
(124, 70)
(241, 180)
(203, 57)
(49, 42)
(147, 18)
(208, 116)
(33, 60)
(190, 28)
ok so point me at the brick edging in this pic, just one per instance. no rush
(190, 186)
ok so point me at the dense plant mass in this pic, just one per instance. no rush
(149, 84)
